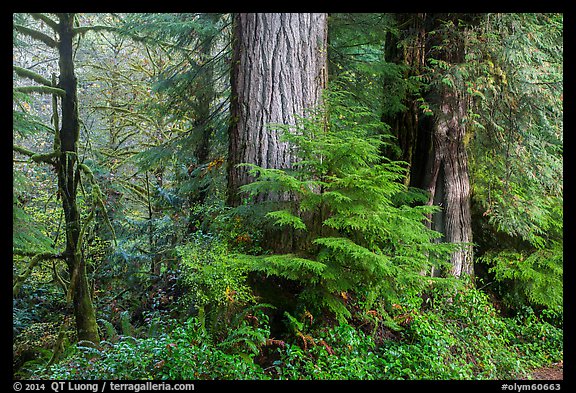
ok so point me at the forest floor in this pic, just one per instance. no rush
(552, 372)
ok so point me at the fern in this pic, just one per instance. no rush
(127, 329)
(111, 333)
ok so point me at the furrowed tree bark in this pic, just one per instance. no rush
(446, 176)
(434, 145)
(279, 68)
(448, 180)
(68, 178)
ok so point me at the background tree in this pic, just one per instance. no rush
(434, 141)
(65, 160)
(152, 98)
(516, 143)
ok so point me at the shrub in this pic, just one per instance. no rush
(213, 284)
(186, 353)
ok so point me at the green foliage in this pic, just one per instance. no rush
(526, 279)
(354, 294)
(369, 237)
(515, 73)
(288, 266)
(356, 58)
(213, 282)
(28, 234)
(25, 123)
(459, 336)
(538, 338)
(451, 335)
(34, 213)
(186, 353)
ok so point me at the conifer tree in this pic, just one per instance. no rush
(433, 136)
(516, 140)
(364, 240)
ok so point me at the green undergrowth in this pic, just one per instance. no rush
(448, 336)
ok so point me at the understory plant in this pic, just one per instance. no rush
(452, 335)
(360, 231)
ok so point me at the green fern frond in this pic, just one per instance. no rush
(111, 333)
(127, 329)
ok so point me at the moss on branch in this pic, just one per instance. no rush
(41, 90)
(44, 18)
(24, 73)
(37, 35)
(37, 157)
(85, 29)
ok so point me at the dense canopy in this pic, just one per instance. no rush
(204, 196)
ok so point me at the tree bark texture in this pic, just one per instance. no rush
(279, 70)
(434, 145)
(448, 180)
(68, 178)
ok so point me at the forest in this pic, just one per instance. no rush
(287, 196)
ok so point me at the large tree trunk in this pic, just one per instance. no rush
(434, 145)
(448, 181)
(279, 70)
(68, 177)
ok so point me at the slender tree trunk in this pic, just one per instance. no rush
(68, 178)
(279, 70)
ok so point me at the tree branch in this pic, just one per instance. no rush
(37, 157)
(85, 29)
(25, 73)
(41, 90)
(44, 18)
(36, 35)
(35, 261)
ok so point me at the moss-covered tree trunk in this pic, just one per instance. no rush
(68, 178)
